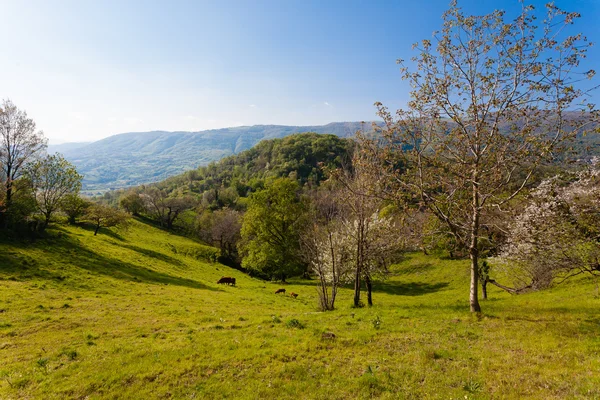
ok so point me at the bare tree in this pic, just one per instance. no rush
(326, 248)
(221, 228)
(19, 144)
(165, 208)
(492, 99)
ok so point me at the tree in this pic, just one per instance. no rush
(133, 203)
(491, 101)
(52, 179)
(105, 217)
(326, 248)
(221, 228)
(19, 144)
(74, 206)
(165, 208)
(556, 235)
(23, 206)
(374, 238)
(271, 230)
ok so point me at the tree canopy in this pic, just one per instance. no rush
(271, 230)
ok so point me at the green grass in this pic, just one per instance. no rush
(136, 314)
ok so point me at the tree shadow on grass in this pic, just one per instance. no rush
(90, 228)
(396, 288)
(154, 254)
(103, 231)
(175, 231)
(409, 288)
(23, 267)
(413, 269)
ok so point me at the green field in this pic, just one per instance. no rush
(138, 314)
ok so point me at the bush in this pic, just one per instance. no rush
(294, 323)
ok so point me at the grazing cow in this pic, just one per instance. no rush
(280, 291)
(227, 280)
(294, 295)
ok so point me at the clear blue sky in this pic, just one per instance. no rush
(90, 69)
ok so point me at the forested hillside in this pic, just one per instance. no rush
(130, 159)
(304, 157)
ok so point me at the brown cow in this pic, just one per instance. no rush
(227, 280)
(294, 295)
(280, 291)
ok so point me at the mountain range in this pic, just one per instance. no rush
(136, 158)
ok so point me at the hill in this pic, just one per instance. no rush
(137, 314)
(130, 159)
(302, 156)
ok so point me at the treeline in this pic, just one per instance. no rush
(36, 188)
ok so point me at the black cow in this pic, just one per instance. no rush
(227, 280)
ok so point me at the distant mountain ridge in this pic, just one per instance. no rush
(63, 147)
(136, 158)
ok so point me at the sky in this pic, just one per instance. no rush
(85, 70)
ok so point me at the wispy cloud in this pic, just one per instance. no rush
(327, 104)
(253, 106)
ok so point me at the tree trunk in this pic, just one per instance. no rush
(4, 214)
(509, 289)
(359, 263)
(8, 185)
(169, 220)
(357, 287)
(484, 289)
(46, 221)
(369, 286)
(333, 294)
(473, 248)
(323, 297)
(97, 228)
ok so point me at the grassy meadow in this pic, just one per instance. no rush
(137, 313)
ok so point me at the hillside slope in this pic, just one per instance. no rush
(135, 158)
(136, 314)
(304, 156)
